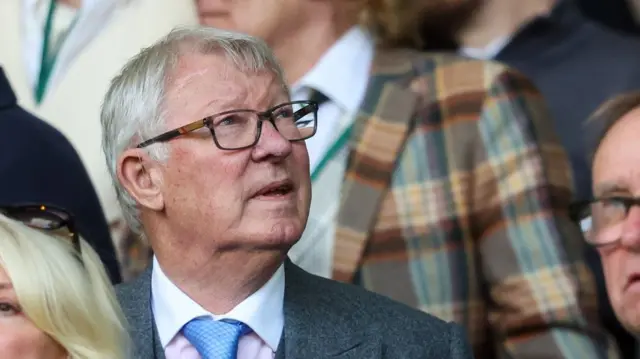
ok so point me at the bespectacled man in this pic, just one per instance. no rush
(612, 218)
(209, 158)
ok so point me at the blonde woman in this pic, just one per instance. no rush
(56, 301)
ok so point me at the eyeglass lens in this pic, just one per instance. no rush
(608, 216)
(239, 129)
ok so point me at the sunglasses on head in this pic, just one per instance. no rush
(50, 219)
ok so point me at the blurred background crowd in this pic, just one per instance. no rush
(58, 57)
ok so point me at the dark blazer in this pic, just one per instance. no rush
(322, 319)
(39, 165)
(577, 64)
(615, 14)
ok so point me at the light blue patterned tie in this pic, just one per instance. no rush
(215, 339)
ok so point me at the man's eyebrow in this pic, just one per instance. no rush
(609, 187)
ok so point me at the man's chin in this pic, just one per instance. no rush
(281, 233)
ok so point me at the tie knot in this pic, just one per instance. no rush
(215, 339)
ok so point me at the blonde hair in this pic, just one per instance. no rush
(67, 296)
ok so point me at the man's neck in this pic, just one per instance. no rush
(220, 283)
(501, 18)
(302, 50)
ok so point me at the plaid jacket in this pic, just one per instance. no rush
(455, 201)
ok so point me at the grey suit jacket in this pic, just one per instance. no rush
(323, 319)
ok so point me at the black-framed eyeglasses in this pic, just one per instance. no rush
(603, 217)
(48, 218)
(240, 129)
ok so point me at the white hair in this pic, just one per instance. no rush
(133, 108)
(69, 299)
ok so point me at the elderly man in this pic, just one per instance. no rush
(438, 180)
(614, 212)
(209, 159)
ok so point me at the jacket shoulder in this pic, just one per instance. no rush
(134, 294)
(353, 308)
(376, 308)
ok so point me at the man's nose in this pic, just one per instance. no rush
(631, 229)
(271, 143)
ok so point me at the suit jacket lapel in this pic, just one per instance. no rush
(312, 329)
(135, 299)
(381, 129)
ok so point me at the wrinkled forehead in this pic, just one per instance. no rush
(215, 82)
(616, 166)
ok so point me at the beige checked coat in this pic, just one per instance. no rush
(455, 201)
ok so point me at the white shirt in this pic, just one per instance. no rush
(488, 52)
(262, 312)
(342, 74)
(90, 19)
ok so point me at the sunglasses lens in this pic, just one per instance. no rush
(51, 220)
(39, 220)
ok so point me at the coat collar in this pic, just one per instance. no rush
(313, 328)
(380, 132)
(135, 300)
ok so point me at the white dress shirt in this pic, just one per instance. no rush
(488, 52)
(262, 312)
(90, 19)
(342, 74)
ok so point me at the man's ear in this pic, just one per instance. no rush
(142, 178)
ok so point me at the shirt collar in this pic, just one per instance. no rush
(488, 52)
(342, 73)
(262, 311)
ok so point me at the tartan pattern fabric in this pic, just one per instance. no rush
(215, 339)
(455, 202)
(318, 237)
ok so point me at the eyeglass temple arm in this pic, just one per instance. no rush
(161, 138)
